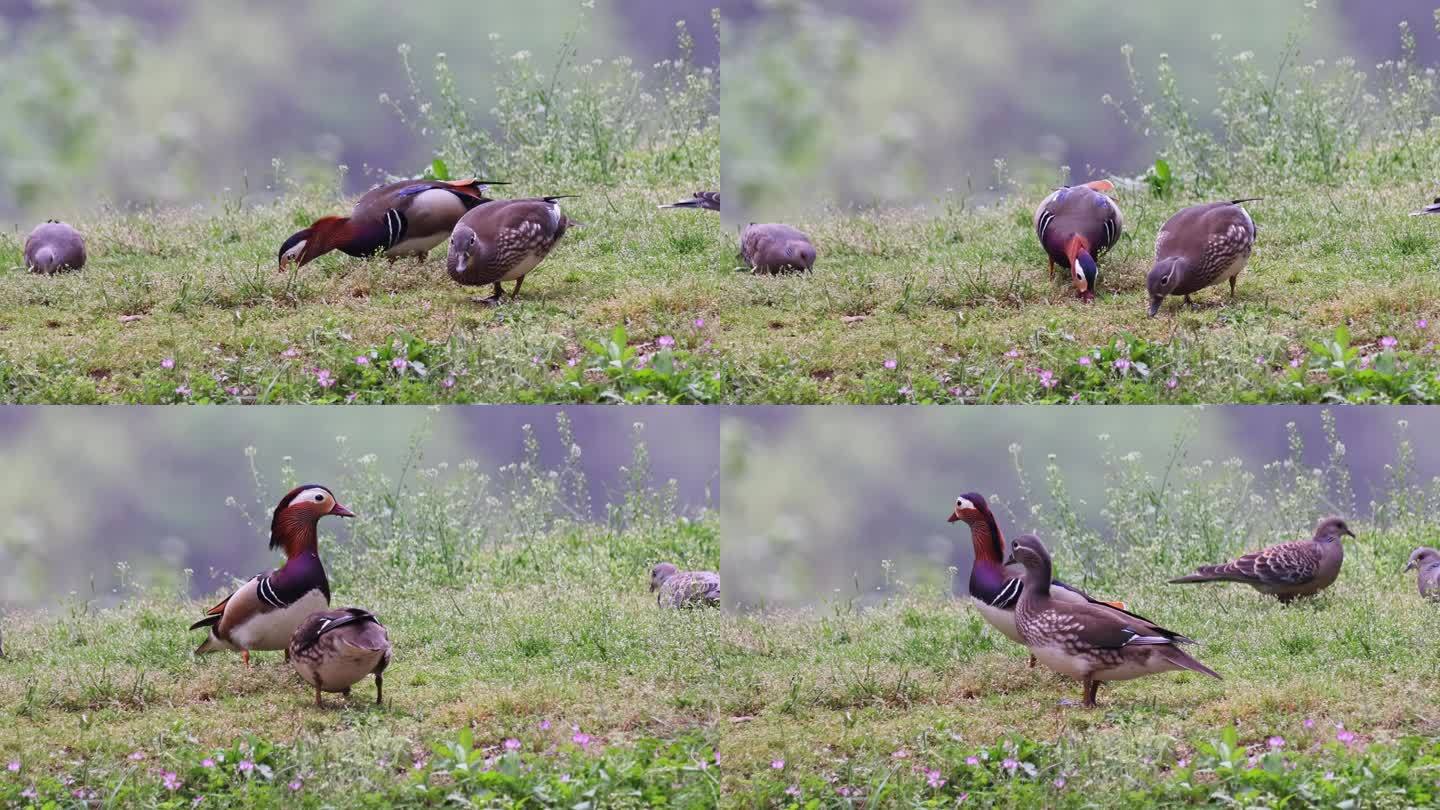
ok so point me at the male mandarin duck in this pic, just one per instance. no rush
(1200, 246)
(504, 240)
(1089, 641)
(264, 612)
(1076, 226)
(708, 200)
(994, 586)
(773, 248)
(1288, 570)
(334, 649)
(53, 247)
(407, 218)
(678, 588)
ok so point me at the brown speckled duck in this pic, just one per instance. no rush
(334, 649)
(708, 200)
(1077, 225)
(776, 249)
(1091, 642)
(54, 247)
(504, 240)
(264, 612)
(407, 218)
(676, 589)
(1200, 246)
(994, 587)
(1286, 571)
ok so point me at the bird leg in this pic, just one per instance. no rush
(318, 703)
(1091, 687)
(1189, 302)
(245, 656)
(1032, 662)
(1232, 288)
(493, 300)
(518, 282)
(1051, 273)
(379, 685)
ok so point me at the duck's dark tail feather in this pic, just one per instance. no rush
(206, 622)
(1185, 660)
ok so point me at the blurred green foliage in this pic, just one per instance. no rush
(172, 102)
(821, 107)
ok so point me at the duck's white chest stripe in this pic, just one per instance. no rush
(1008, 596)
(394, 227)
(267, 593)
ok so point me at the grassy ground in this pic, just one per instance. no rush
(537, 630)
(912, 700)
(903, 307)
(185, 306)
(914, 307)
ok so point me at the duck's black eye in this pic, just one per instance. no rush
(319, 498)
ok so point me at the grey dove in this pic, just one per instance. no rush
(54, 247)
(676, 589)
(1426, 561)
(776, 249)
(1288, 570)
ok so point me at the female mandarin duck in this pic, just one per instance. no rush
(334, 649)
(1077, 225)
(503, 241)
(264, 612)
(1088, 641)
(407, 218)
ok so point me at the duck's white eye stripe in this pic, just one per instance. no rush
(313, 494)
